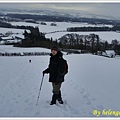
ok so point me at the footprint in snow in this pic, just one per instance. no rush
(26, 100)
(19, 96)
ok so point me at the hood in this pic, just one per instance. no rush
(59, 54)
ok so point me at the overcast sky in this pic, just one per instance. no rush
(109, 9)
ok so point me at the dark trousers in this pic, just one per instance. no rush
(56, 88)
(56, 92)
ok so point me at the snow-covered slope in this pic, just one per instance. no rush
(92, 83)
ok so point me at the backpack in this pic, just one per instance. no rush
(63, 66)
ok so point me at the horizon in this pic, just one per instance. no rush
(101, 9)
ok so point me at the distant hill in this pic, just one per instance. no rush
(59, 16)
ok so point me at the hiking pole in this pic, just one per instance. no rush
(40, 89)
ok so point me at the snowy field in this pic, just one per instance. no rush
(61, 26)
(5, 30)
(92, 83)
(11, 49)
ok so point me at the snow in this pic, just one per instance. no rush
(7, 38)
(109, 53)
(104, 36)
(5, 30)
(62, 26)
(92, 83)
(18, 35)
(10, 49)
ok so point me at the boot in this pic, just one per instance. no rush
(53, 99)
(59, 98)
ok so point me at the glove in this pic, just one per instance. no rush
(44, 72)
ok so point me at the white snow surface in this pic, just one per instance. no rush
(92, 83)
(11, 49)
(62, 26)
(13, 30)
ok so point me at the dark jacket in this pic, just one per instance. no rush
(53, 68)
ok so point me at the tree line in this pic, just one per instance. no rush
(64, 18)
(81, 29)
(71, 29)
(35, 38)
(89, 43)
(24, 54)
(8, 25)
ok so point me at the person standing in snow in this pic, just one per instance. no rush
(54, 75)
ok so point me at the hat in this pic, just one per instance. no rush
(54, 48)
